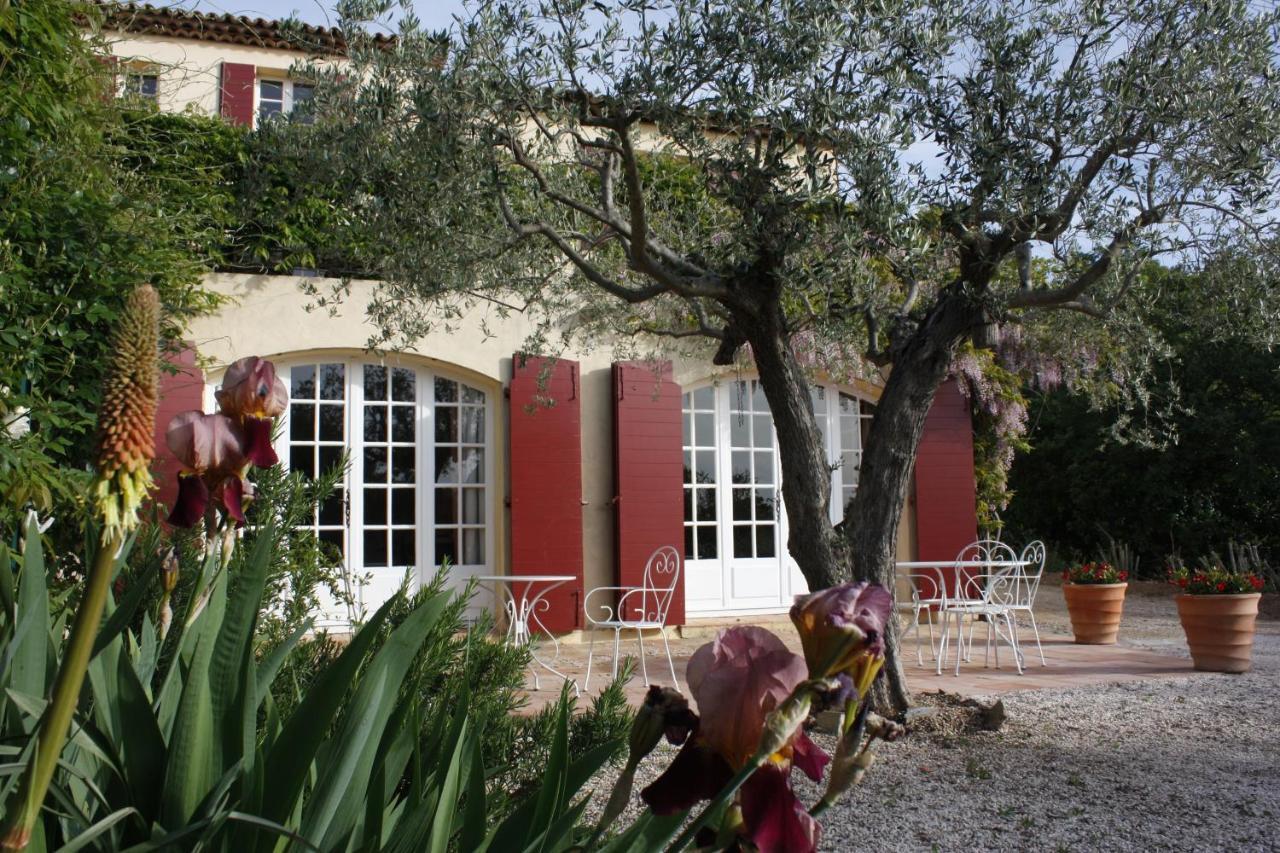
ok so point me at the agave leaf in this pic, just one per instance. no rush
(212, 807)
(29, 670)
(474, 815)
(103, 672)
(447, 801)
(141, 744)
(289, 759)
(558, 836)
(332, 809)
(185, 635)
(519, 826)
(148, 653)
(231, 666)
(193, 768)
(649, 832)
(91, 834)
(7, 592)
(553, 794)
(14, 643)
(123, 613)
(82, 734)
(393, 757)
(232, 650)
(271, 664)
(167, 841)
(269, 826)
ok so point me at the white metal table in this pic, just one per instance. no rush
(938, 565)
(524, 596)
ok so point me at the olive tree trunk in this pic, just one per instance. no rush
(867, 550)
(920, 365)
(806, 482)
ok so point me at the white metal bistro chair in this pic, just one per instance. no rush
(638, 608)
(988, 593)
(1024, 592)
(928, 594)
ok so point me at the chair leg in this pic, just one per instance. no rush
(1036, 633)
(591, 650)
(644, 670)
(674, 681)
(933, 649)
(959, 641)
(940, 660)
(1013, 636)
(617, 638)
(986, 663)
(913, 625)
(1011, 620)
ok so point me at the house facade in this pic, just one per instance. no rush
(465, 451)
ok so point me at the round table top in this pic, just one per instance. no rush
(961, 564)
(525, 578)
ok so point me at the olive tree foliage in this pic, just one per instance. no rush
(815, 184)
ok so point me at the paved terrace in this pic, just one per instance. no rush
(1150, 647)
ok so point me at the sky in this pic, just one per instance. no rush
(435, 14)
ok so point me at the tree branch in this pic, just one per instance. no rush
(1068, 296)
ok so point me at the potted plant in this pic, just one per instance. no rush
(1095, 601)
(1218, 608)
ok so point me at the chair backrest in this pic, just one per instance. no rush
(1032, 572)
(661, 575)
(995, 584)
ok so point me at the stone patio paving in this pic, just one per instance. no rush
(1146, 650)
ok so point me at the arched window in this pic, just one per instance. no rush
(417, 490)
(734, 522)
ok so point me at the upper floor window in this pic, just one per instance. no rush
(139, 84)
(279, 97)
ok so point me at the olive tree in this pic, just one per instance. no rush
(813, 183)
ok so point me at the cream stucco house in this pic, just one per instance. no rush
(449, 460)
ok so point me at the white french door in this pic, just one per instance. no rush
(417, 488)
(736, 531)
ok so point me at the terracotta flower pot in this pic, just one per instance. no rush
(1219, 629)
(1095, 610)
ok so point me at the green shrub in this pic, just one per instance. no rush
(383, 749)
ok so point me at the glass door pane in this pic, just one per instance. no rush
(701, 532)
(754, 473)
(317, 440)
(389, 467)
(461, 473)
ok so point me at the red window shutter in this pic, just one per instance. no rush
(179, 392)
(946, 497)
(237, 92)
(648, 471)
(111, 81)
(546, 481)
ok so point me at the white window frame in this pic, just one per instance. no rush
(731, 600)
(828, 425)
(286, 94)
(131, 74)
(425, 485)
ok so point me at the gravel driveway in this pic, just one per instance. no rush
(1161, 764)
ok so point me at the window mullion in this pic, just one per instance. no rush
(425, 477)
(724, 484)
(355, 478)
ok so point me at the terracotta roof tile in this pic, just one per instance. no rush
(145, 19)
